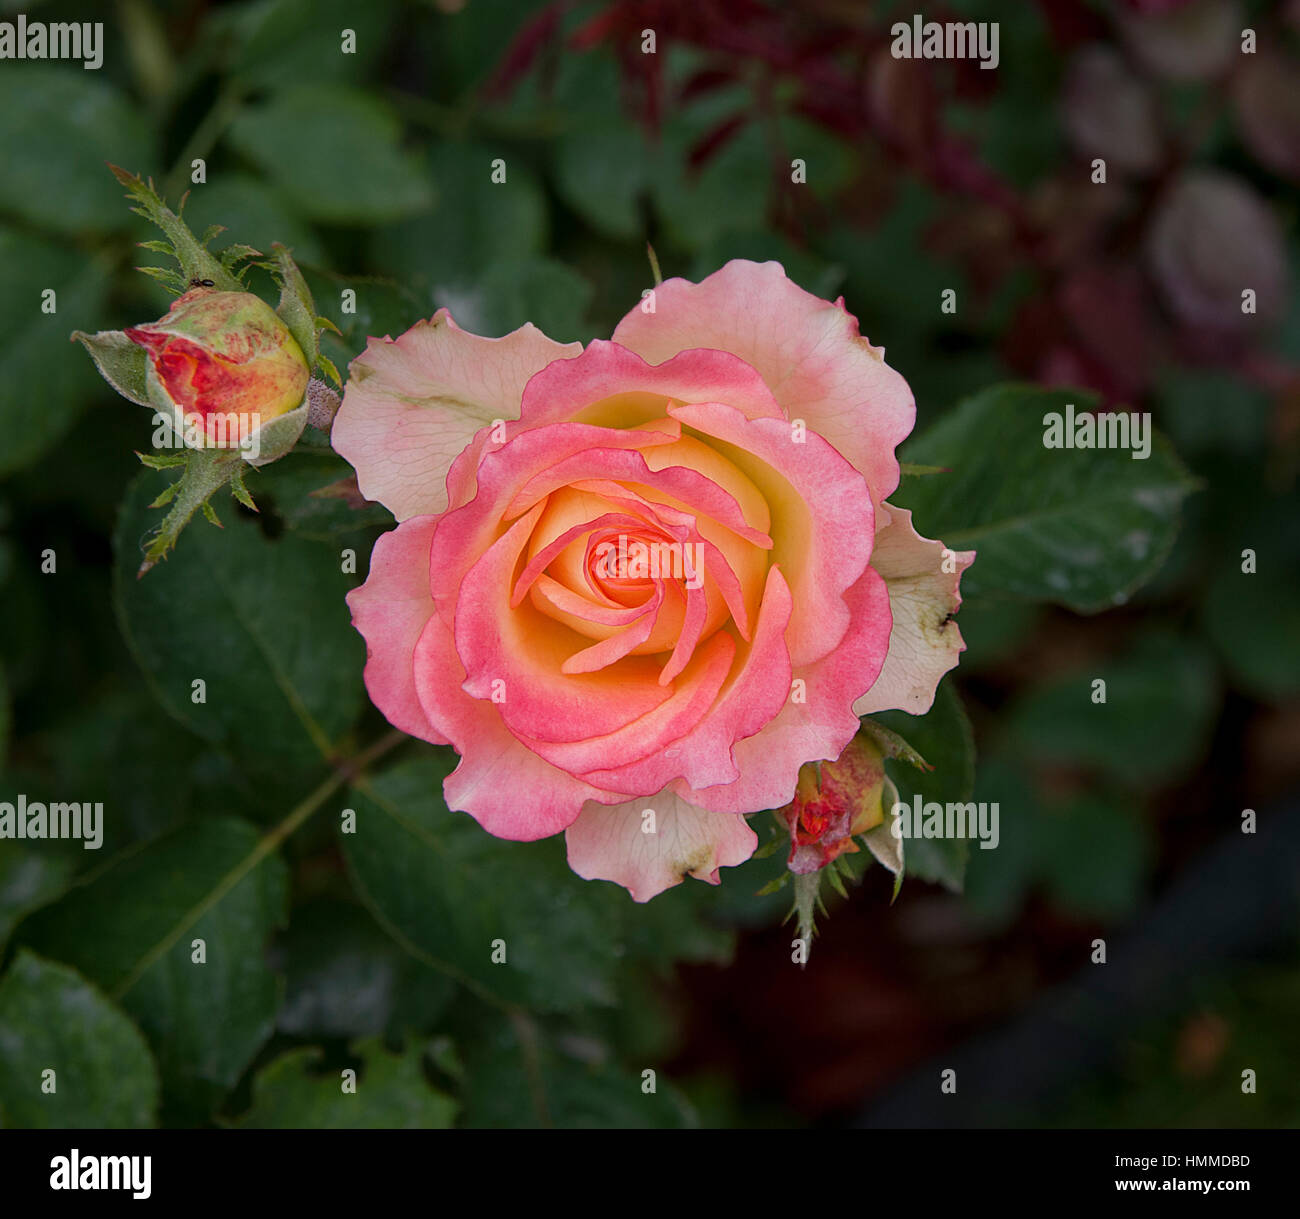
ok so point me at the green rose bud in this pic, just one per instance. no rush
(833, 802)
(225, 364)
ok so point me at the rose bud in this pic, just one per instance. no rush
(225, 363)
(831, 807)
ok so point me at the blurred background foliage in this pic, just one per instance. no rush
(369, 951)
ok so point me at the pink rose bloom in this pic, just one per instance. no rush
(655, 573)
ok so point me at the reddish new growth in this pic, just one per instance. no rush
(832, 803)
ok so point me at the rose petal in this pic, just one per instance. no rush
(818, 728)
(607, 370)
(609, 844)
(390, 610)
(628, 391)
(924, 643)
(413, 403)
(601, 469)
(469, 529)
(523, 651)
(503, 785)
(808, 351)
(693, 694)
(703, 757)
(821, 513)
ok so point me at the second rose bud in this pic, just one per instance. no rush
(222, 365)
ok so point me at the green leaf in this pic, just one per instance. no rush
(345, 978)
(28, 878)
(749, 898)
(57, 128)
(515, 1079)
(603, 171)
(379, 307)
(51, 1019)
(1218, 414)
(296, 309)
(234, 255)
(46, 382)
(541, 290)
(166, 495)
(261, 622)
(334, 153)
(1253, 619)
(122, 363)
(898, 273)
(1094, 853)
(173, 281)
(1162, 698)
(161, 461)
(678, 925)
(892, 745)
(6, 713)
(476, 224)
(729, 193)
(834, 879)
(1018, 134)
(237, 488)
(1082, 527)
(109, 745)
(26, 643)
(277, 40)
(995, 629)
(447, 889)
(252, 212)
(943, 737)
(1180, 1067)
(998, 881)
(131, 930)
(1090, 854)
(295, 489)
(294, 1093)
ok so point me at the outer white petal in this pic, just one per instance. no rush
(413, 403)
(922, 576)
(647, 855)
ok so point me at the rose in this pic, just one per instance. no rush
(834, 802)
(739, 415)
(224, 364)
